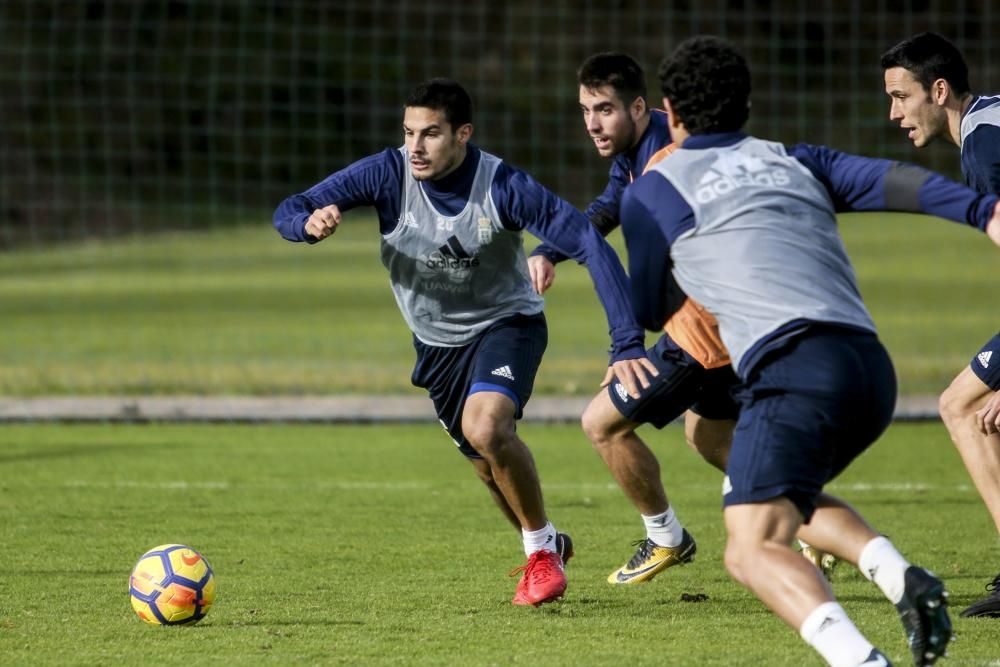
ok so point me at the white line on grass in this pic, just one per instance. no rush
(130, 484)
(898, 486)
(180, 485)
(907, 487)
(363, 485)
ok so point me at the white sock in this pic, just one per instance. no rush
(664, 529)
(535, 540)
(828, 630)
(881, 563)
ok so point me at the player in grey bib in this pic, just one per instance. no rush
(454, 276)
(451, 218)
(735, 192)
(748, 228)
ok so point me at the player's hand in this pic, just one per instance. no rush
(542, 272)
(632, 373)
(988, 418)
(323, 222)
(993, 226)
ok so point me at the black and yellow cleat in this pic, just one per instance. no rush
(651, 559)
(822, 560)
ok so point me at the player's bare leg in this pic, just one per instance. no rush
(836, 528)
(488, 424)
(759, 557)
(485, 473)
(981, 455)
(711, 438)
(637, 471)
(630, 461)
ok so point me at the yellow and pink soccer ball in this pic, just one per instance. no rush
(172, 584)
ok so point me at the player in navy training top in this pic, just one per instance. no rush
(748, 228)
(451, 217)
(928, 82)
(694, 376)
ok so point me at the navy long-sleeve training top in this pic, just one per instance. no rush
(522, 202)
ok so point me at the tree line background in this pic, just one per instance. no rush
(129, 116)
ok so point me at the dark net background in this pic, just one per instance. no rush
(120, 116)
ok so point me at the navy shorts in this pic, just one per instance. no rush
(682, 384)
(808, 410)
(986, 363)
(504, 358)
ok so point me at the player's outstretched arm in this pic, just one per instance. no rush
(858, 183)
(313, 215)
(323, 222)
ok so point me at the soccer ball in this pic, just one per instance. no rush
(172, 584)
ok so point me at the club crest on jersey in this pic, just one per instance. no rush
(485, 231)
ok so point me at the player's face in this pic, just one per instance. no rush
(610, 124)
(913, 108)
(435, 149)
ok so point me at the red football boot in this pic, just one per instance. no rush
(543, 579)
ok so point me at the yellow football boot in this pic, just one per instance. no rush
(651, 559)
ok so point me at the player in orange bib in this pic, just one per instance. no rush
(694, 372)
(695, 375)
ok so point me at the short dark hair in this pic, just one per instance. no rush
(929, 57)
(618, 70)
(708, 84)
(443, 95)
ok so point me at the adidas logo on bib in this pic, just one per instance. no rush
(984, 358)
(504, 372)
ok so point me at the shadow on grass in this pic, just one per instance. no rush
(64, 452)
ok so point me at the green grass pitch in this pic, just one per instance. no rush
(376, 545)
(241, 311)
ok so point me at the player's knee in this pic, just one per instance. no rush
(594, 428)
(486, 435)
(603, 431)
(482, 436)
